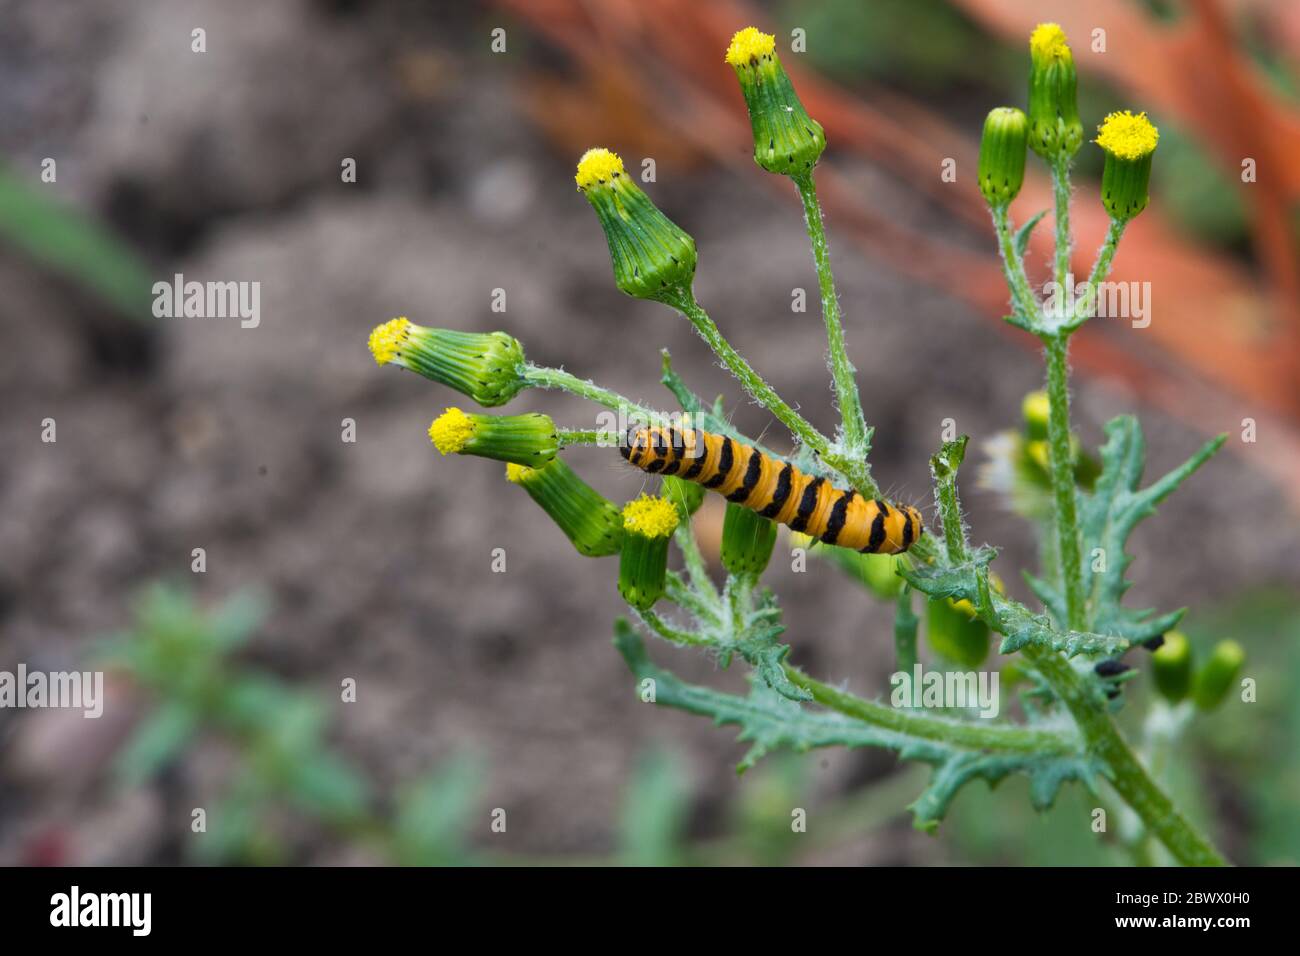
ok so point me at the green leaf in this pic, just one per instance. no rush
(1024, 233)
(762, 652)
(157, 741)
(74, 245)
(768, 722)
(1018, 625)
(1110, 513)
(654, 812)
(433, 815)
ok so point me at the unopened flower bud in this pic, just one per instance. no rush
(591, 522)
(487, 367)
(523, 439)
(747, 540)
(1002, 155)
(1215, 679)
(648, 525)
(652, 257)
(1055, 130)
(1171, 666)
(786, 139)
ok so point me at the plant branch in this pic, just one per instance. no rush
(1087, 303)
(539, 376)
(1063, 485)
(1129, 778)
(1013, 267)
(857, 435)
(1061, 195)
(956, 733)
(751, 381)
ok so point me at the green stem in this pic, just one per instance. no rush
(943, 468)
(957, 733)
(750, 380)
(671, 634)
(577, 436)
(857, 435)
(539, 376)
(1129, 778)
(1061, 193)
(690, 548)
(1063, 485)
(1084, 307)
(905, 624)
(1013, 266)
(702, 608)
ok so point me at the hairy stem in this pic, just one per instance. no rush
(905, 624)
(1129, 778)
(1063, 486)
(857, 436)
(957, 733)
(690, 548)
(578, 436)
(539, 376)
(750, 380)
(1013, 267)
(1086, 305)
(1061, 194)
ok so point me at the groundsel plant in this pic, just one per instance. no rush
(1068, 655)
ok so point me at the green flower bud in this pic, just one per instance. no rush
(686, 495)
(876, 572)
(1035, 410)
(1172, 667)
(523, 439)
(1129, 143)
(1215, 679)
(648, 525)
(747, 540)
(1054, 126)
(1002, 155)
(592, 523)
(786, 139)
(956, 633)
(652, 257)
(485, 367)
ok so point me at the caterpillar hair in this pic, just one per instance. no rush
(775, 489)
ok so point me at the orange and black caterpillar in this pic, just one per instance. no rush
(774, 488)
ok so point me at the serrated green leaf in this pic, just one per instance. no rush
(1110, 513)
(760, 649)
(768, 721)
(1018, 625)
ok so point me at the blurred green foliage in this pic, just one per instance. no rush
(73, 245)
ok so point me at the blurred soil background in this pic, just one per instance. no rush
(374, 557)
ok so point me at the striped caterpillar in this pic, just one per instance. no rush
(775, 489)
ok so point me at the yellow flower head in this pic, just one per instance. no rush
(1047, 43)
(451, 431)
(1126, 136)
(651, 517)
(386, 340)
(598, 165)
(517, 473)
(748, 45)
